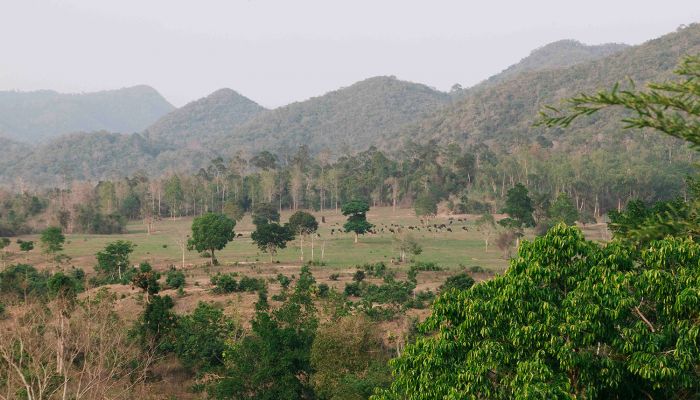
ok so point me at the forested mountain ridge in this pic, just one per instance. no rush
(504, 114)
(559, 54)
(349, 118)
(199, 121)
(39, 115)
(381, 111)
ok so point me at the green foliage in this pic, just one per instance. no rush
(269, 237)
(224, 283)
(155, 325)
(568, 319)
(211, 232)
(564, 210)
(519, 206)
(175, 279)
(273, 362)
(26, 245)
(303, 223)
(146, 280)
(52, 240)
(356, 211)
(22, 281)
(199, 338)
(265, 213)
(348, 359)
(113, 261)
(425, 205)
(461, 281)
(358, 276)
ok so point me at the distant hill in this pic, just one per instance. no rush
(202, 120)
(35, 116)
(349, 118)
(381, 111)
(502, 114)
(559, 54)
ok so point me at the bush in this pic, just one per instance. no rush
(175, 279)
(248, 284)
(359, 276)
(334, 277)
(378, 269)
(353, 289)
(224, 283)
(283, 280)
(460, 282)
(323, 290)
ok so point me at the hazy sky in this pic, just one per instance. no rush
(276, 52)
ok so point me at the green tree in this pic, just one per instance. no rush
(568, 319)
(563, 210)
(303, 223)
(271, 237)
(349, 359)
(356, 211)
(211, 232)
(114, 259)
(407, 244)
(52, 240)
(233, 210)
(273, 362)
(265, 213)
(199, 338)
(147, 280)
(425, 206)
(519, 206)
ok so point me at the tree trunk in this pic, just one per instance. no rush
(312, 248)
(212, 257)
(356, 235)
(301, 247)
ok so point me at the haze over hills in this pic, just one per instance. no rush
(380, 111)
(39, 115)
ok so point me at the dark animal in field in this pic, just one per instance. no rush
(449, 229)
(239, 235)
(323, 219)
(465, 228)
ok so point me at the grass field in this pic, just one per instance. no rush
(457, 249)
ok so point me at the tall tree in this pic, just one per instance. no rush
(272, 237)
(114, 259)
(211, 232)
(518, 206)
(303, 224)
(356, 211)
(52, 240)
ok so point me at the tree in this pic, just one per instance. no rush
(273, 361)
(568, 319)
(114, 259)
(264, 160)
(303, 223)
(52, 240)
(407, 244)
(425, 206)
(233, 210)
(349, 359)
(356, 211)
(265, 213)
(667, 107)
(519, 205)
(147, 280)
(271, 237)
(211, 232)
(199, 338)
(486, 225)
(563, 210)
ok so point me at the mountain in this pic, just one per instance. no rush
(502, 114)
(350, 118)
(559, 54)
(33, 116)
(199, 121)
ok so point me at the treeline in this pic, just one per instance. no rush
(472, 180)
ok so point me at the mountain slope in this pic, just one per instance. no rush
(201, 120)
(351, 117)
(559, 54)
(34, 116)
(503, 114)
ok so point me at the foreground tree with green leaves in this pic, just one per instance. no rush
(52, 240)
(114, 259)
(211, 232)
(569, 319)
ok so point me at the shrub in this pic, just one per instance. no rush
(359, 276)
(460, 282)
(334, 277)
(224, 283)
(175, 279)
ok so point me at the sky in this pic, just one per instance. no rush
(280, 51)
